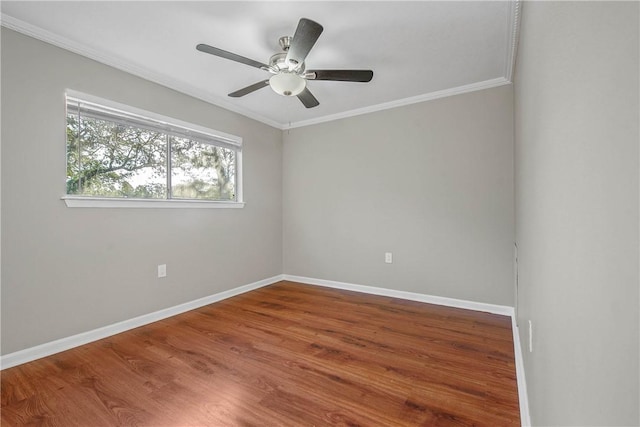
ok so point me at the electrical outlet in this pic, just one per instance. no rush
(530, 337)
(162, 270)
(388, 257)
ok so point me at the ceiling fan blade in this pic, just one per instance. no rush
(247, 90)
(232, 56)
(341, 75)
(303, 40)
(307, 98)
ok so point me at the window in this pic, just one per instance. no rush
(117, 152)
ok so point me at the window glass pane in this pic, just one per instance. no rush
(112, 152)
(106, 159)
(201, 171)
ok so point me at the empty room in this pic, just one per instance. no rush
(314, 213)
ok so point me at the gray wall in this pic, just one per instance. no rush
(66, 271)
(577, 218)
(431, 182)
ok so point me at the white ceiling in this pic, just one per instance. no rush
(418, 50)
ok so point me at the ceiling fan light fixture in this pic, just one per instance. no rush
(287, 84)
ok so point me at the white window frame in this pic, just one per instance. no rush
(163, 123)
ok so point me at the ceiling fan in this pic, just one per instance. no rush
(290, 75)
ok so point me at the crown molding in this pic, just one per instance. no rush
(30, 30)
(513, 26)
(487, 84)
(112, 61)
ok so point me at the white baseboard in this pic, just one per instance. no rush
(431, 299)
(47, 349)
(523, 397)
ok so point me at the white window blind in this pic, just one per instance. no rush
(84, 108)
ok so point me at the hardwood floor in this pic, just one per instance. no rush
(284, 355)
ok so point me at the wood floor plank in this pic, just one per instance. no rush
(284, 355)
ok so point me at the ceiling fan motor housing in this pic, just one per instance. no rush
(278, 63)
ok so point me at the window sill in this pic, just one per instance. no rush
(106, 202)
